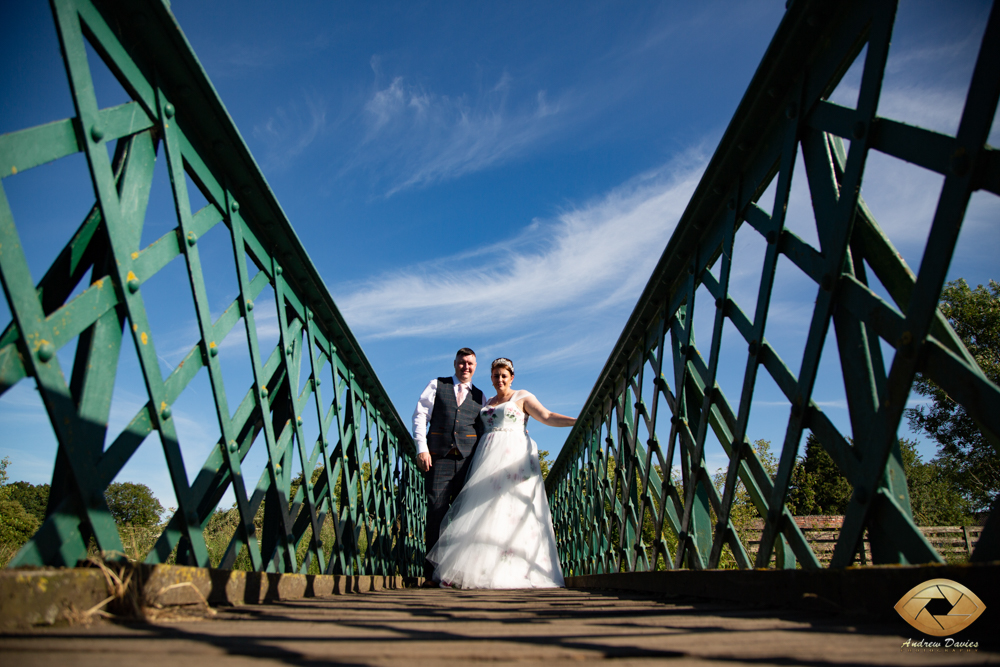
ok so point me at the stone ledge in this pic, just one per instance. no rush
(45, 596)
(871, 591)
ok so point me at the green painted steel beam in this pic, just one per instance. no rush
(783, 112)
(363, 447)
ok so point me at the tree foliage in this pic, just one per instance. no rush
(16, 525)
(934, 497)
(33, 498)
(743, 511)
(133, 504)
(963, 451)
(817, 487)
(543, 462)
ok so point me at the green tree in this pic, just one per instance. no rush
(133, 504)
(963, 451)
(34, 499)
(543, 462)
(16, 525)
(817, 487)
(743, 511)
(934, 497)
(4, 462)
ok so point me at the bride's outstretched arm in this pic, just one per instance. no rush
(544, 415)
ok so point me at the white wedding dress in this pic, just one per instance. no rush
(498, 532)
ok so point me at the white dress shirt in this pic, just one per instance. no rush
(422, 415)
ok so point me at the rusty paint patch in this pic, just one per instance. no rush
(144, 337)
(135, 255)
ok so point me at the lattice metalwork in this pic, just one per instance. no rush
(367, 483)
(658, 396)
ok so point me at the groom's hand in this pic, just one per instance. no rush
(424, 462)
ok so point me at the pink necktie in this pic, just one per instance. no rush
(461, 393)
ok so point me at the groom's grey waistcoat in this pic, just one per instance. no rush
(454, 425)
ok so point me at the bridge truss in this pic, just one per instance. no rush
(657, 400)
(359, 462)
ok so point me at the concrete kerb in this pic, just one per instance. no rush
(45, 596)
(870, 591)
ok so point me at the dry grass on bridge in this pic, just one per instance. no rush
(432, 627)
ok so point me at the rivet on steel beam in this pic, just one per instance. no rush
(213, 349)
(691, 270)
(317, 381)
(719, 303)
(96, 133)
(235, 205)
(309, 315)
(278, 270)
(772, 236)
(168, 109)
(289, 349)
(277, 468)
(165, 412)
(717, 190)
(133, 285)
(731, 204)
(906, 338)
(796, 409)
(263, 392)
(791, 111)
(299, 419)
(772, 92)
(859, 129)
(46, 352)
(743, 146)
(192, 238)
(753, 347)
(232, 447)
(249, 304)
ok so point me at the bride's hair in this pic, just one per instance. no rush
(505, 362)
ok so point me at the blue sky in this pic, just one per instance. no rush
(462, 174)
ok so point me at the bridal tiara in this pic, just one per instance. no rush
(505, 362)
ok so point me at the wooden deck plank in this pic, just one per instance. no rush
(415, 627)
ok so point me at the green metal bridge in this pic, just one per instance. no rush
(652, 406)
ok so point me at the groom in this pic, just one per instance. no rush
(450, 405)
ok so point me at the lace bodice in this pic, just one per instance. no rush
(504, 417)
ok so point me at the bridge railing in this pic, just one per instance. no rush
(631, 489)
(357, 462)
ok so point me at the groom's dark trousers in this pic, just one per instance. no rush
(451, 440)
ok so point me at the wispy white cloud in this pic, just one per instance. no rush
(417, 137)
(587, 260)
(290, 130)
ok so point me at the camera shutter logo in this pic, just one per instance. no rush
(966, 607)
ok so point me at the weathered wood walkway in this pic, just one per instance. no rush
(425, 626)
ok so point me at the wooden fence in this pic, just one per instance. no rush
(952, 542)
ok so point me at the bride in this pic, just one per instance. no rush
(498, 532)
